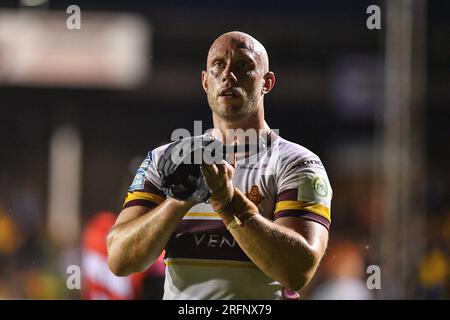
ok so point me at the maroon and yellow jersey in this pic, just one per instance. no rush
(203, 260)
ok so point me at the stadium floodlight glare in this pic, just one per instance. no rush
(33, 3)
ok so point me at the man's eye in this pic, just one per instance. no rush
(219, 64)
(245, 65)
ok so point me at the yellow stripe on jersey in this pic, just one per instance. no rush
(313, 207)
(210, 263)
(202, 214)
(138, 195)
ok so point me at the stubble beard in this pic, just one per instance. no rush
(234, 113)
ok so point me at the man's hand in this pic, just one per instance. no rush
(219, 178)
(181, 178)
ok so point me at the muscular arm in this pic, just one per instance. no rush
(288, 250)
(140, 235)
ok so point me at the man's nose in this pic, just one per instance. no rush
(228, 75)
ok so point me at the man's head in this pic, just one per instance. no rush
(237, 76)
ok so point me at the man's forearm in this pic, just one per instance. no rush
(135, 244)
(281, 253)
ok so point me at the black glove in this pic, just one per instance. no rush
(180, 167)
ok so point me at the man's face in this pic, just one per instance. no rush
(234, 78)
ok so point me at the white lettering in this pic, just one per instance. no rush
(374, 280)
(74, 20)
(212, 240)
(198, 240)
(373, 21)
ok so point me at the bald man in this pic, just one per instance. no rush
(265, 227)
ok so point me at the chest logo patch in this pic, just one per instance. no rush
(320, 187)
(254, 195)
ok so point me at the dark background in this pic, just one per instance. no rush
(311, 46)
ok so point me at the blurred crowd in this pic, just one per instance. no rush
(328, 98)
(32, 267)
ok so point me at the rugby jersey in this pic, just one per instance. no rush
(203, 259)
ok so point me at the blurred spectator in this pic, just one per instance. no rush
(10, 239)
(434, 272)
(343, 268)
(99, 282)
(42, 284)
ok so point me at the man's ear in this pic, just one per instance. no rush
(269, 82)
(204, 84)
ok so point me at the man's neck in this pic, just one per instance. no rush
(253, 124)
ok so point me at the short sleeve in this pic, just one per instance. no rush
(304, 191)
(145, 190)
